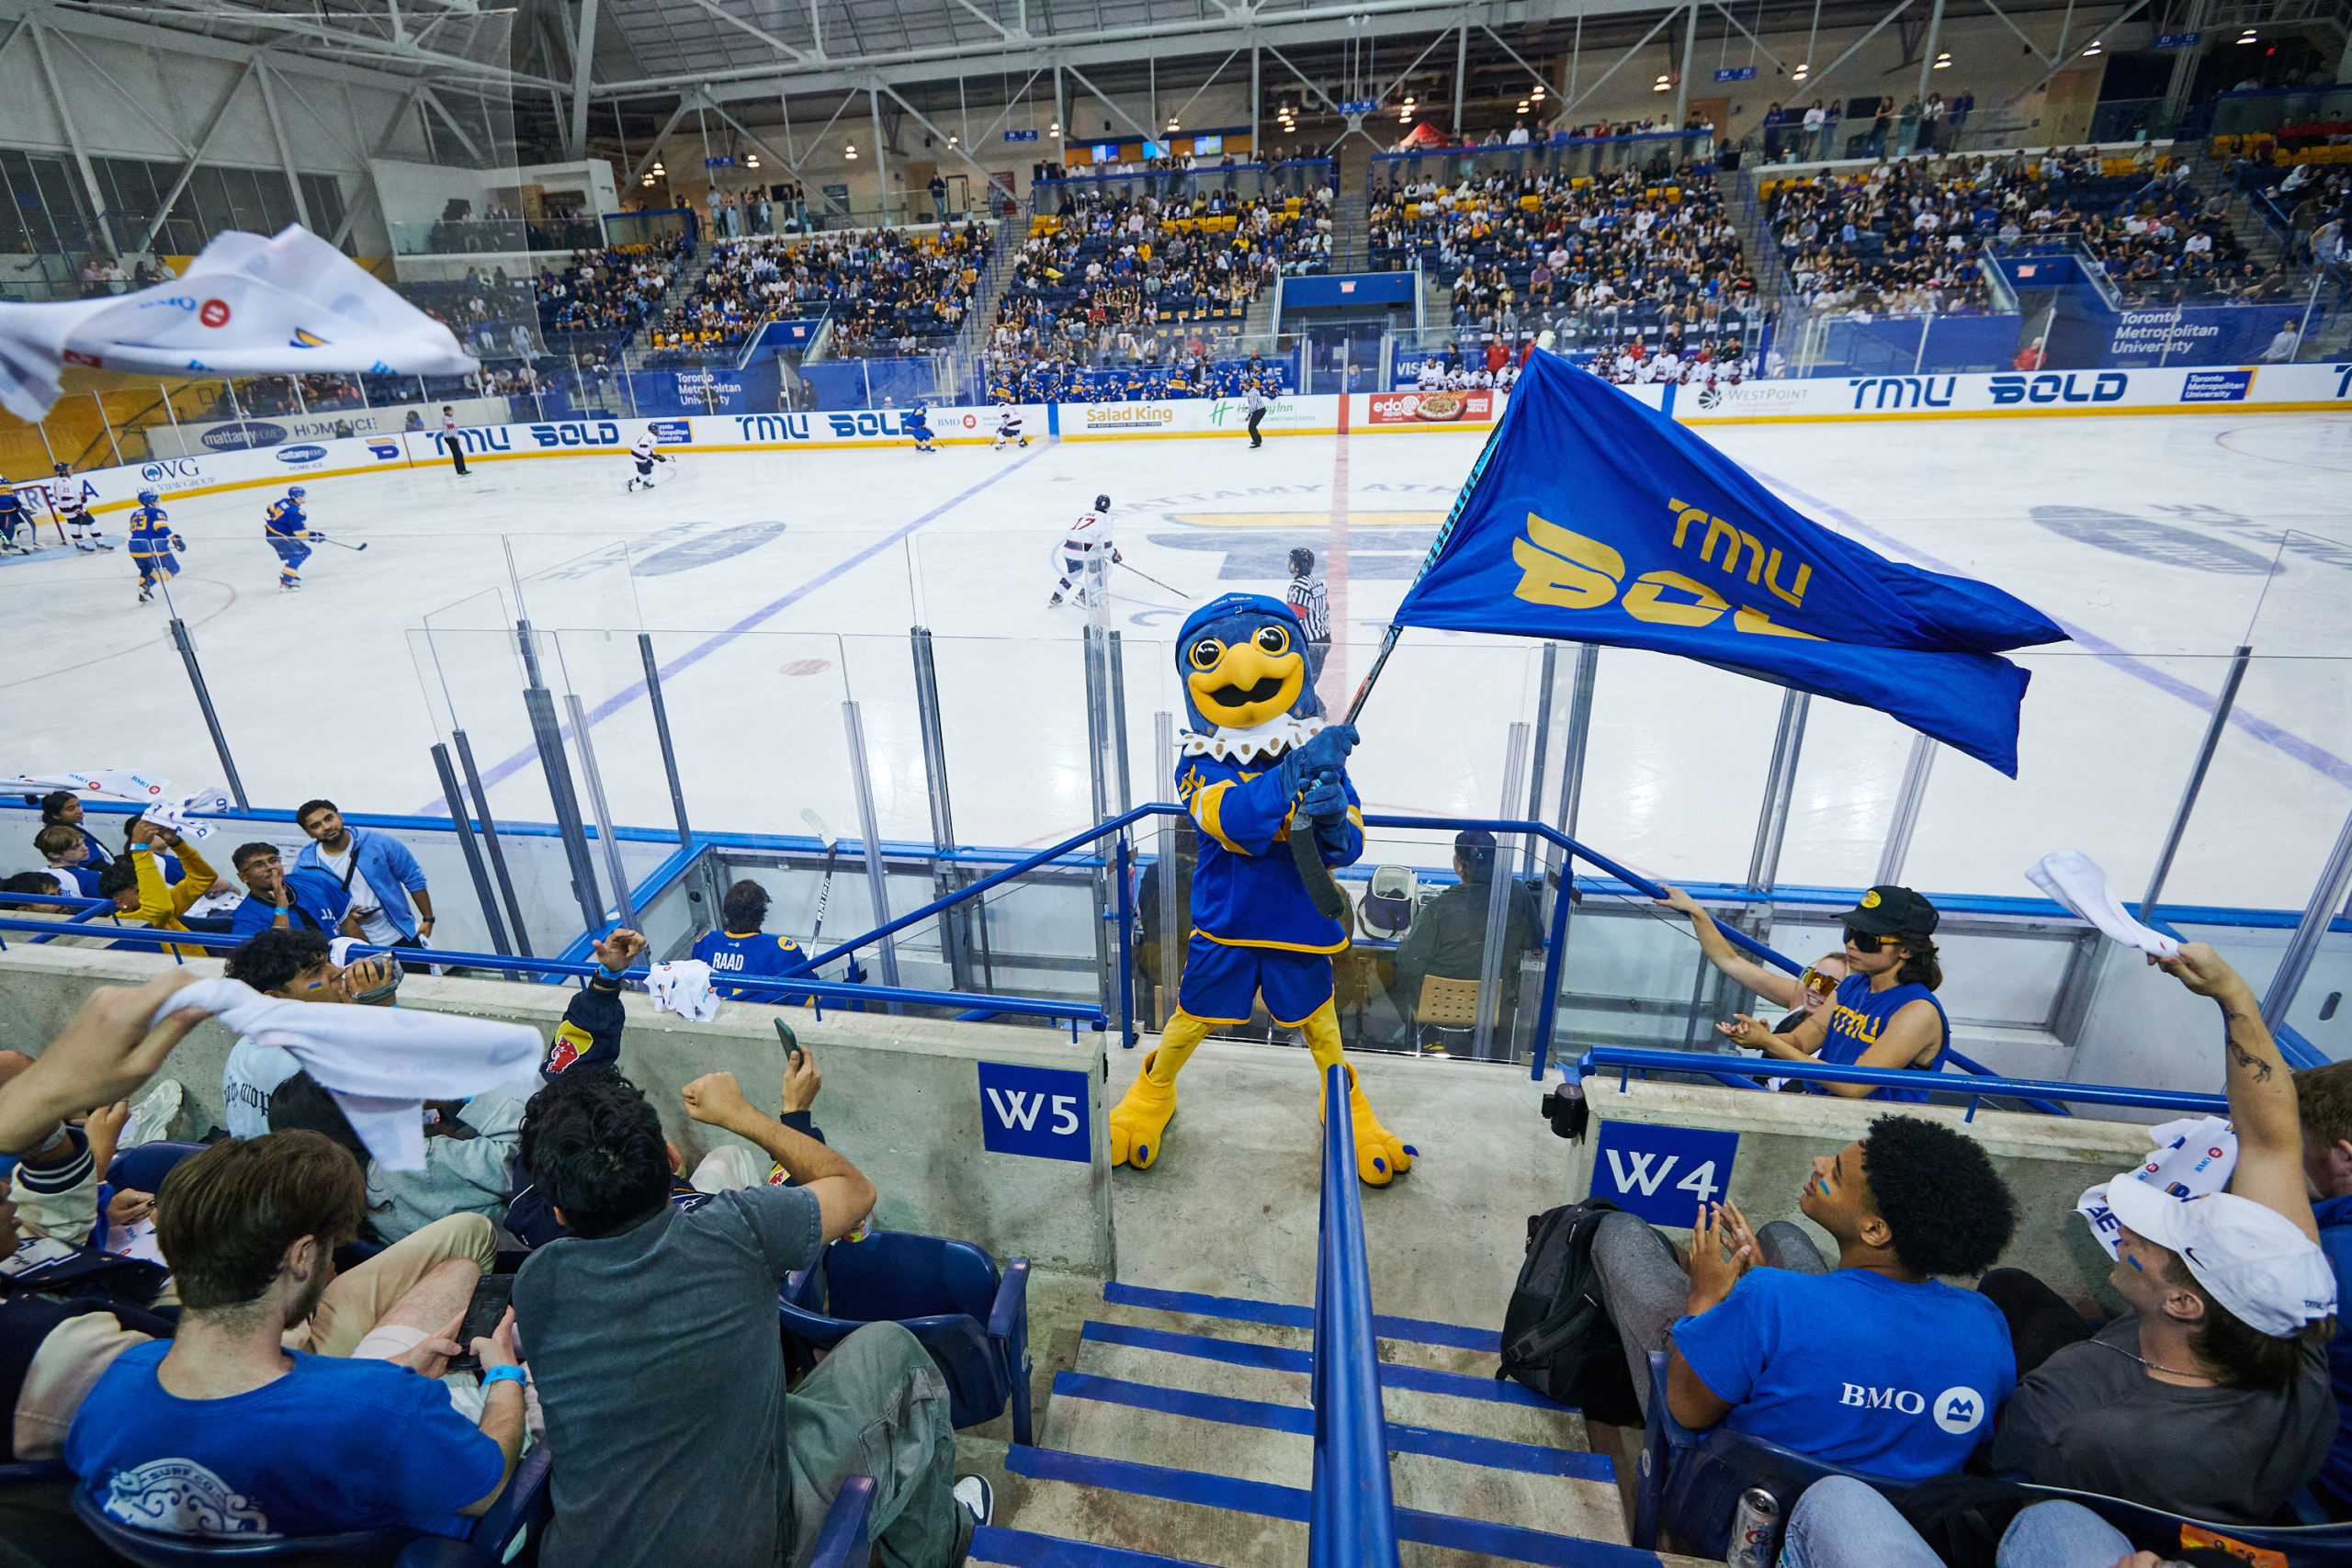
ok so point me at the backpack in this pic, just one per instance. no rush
(1558, 1338)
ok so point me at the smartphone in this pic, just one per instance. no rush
(491, 1293)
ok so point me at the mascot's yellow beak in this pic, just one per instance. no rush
(1241, 687)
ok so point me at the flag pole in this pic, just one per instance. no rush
(1436, 548)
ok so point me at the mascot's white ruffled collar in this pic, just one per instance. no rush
(1275, 736)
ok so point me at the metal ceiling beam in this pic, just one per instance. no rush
(179, 143)
(937, 134)
(994, 26)
(1616, 65)
(1751, 38)
(73, 136)
(203, 140)
(367, 171)
(584, 61)
(1149, 135)
(751, 136)
(433, 100)
(788, 51)
(2038, 52)
(653, 153)
(284, 148)
(1310, 26)
(1814, 82)
(388, 51)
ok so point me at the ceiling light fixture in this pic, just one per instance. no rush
(1799, 74)
(2094, 49)
(752, 161)
(1665, 82)
(1942, 61)
(658, 168)
(1538, 94)
(849, 151)
(2247, 36)
(1055, 128)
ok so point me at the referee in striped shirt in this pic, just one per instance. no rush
(1309, 603)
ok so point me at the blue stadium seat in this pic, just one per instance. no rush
(948, 1294)
(495, 1538)
(142, 1169)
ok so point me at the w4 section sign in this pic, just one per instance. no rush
(1662, 1174)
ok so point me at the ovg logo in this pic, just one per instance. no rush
(1960, 1410)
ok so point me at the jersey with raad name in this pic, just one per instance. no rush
(752, 953)
(1854, 1368)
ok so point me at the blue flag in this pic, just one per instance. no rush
(1593, 518)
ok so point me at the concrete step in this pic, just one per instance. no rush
(1233, 1522)
(997, 1547)
(1402, 1341)
(1443, 1474)
(1272, 1374)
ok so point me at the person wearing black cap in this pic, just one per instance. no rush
(1885, 1012)
(1448, 938)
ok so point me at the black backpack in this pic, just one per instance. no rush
(1558, 1338)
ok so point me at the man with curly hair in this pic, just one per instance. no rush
(1764, 1337)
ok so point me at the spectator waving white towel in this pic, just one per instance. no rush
(165, 808)
(2193, 1156)
(285, 305)
(684, 988)
(2074, 880)
(380, 1064)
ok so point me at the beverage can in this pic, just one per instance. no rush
(1752, 1529)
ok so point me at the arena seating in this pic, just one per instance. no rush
(892, 292)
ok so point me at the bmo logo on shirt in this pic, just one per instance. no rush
(1958, 1411)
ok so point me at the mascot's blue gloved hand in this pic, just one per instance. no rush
(1326, 804)
(1326, 752)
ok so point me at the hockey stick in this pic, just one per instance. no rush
(1156, 582)
(325, 540)
(824, 889)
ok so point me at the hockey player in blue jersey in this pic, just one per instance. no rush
(152, 543)
(740, 948)
(287, 529)
(13, 513)
(916, 422)
(1257, 753)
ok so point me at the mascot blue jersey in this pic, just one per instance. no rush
(1250, 703)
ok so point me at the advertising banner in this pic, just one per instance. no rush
(1430, 409)
(189, 438)
(2171, 390)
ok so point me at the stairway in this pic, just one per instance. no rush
(1184, 1434)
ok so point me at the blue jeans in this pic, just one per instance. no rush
(1841, 1523)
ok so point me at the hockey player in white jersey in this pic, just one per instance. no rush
(1086, 547)
(643, 451)
(1008, 429)
(65, 496)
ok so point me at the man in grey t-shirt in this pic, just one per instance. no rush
(652, 1337)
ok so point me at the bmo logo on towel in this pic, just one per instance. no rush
(1662, 1174)
(1037, 1111)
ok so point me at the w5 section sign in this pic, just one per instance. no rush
(1037, 1111)
(1662, 1174)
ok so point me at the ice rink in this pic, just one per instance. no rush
(775, 586)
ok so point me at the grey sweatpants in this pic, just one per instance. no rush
(1645, 1290)
(876, 1406)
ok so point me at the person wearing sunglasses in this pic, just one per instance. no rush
(1885, 1012)
(1800, 993)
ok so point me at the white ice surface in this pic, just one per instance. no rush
(775, 585)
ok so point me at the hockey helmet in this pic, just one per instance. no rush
(1388, 905)
(64, 467)
(297, 492)
(148, 498)
(1102, 504)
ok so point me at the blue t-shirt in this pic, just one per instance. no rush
(333, 1445)
(319, 903)
(2334, 1217)
(1856, 1018)
(1856, 1369)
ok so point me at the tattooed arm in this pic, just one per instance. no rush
(2262, 1096)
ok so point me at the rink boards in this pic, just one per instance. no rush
(2278, 389)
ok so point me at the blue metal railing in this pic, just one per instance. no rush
(822, 991)
(1627, 1060)
(1352, 1519)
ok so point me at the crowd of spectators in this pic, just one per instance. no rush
(1157, 286)
(283, 1362)
(1592, 259)
(892, 292)
(595, 305)
(1906, 236)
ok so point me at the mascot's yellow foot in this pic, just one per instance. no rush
(1140, 1119)
(1381, 1157)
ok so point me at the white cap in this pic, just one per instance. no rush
(2252, 1259)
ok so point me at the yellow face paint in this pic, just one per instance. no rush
(1243, 685)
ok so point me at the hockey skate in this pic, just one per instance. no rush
(86, 549)
(146, 595)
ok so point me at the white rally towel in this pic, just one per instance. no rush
(2073, 879)
(2193, 1156)
(281, 306)
(165, 807)
(684, 988)
(380, 1064)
